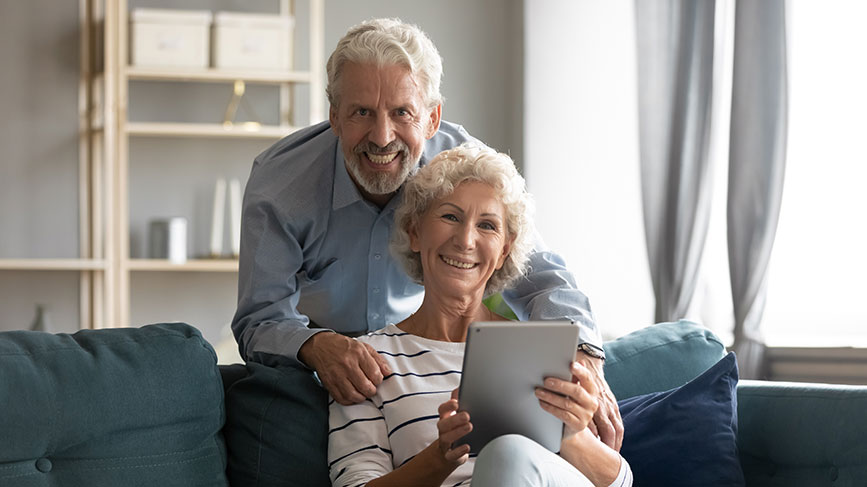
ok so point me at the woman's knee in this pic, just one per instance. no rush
(508, 458)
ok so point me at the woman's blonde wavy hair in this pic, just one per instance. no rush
(439, 178)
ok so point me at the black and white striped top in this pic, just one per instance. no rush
(370, 439)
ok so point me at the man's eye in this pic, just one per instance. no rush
(401, 112)
(363, 112)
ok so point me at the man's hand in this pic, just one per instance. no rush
(607, 423)
(349, 369)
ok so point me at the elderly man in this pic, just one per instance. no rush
(318, 213)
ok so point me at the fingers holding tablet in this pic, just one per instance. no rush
(452, 426)
(573, 402)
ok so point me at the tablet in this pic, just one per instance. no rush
(504, 362)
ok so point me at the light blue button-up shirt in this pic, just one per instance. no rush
(314, 254)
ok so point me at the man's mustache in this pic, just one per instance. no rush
(372, 148)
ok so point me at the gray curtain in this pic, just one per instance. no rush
(675, 76)
(757, 160)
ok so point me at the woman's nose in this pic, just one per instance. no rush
(465, 237)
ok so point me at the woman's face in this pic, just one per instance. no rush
(462, 239)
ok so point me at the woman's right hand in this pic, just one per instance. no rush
(452, 426)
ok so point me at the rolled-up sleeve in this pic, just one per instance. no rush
(549, 292)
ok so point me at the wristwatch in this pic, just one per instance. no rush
(591, 350)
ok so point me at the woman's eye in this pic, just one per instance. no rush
(487, 226)
(450, 217)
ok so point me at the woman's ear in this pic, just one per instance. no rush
(507, 248)
(413, 239)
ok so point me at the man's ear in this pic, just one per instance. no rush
(507, 248)
(332, 118)
(434, 120)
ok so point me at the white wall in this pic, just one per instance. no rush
(581, 151)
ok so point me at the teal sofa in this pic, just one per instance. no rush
(150, 407)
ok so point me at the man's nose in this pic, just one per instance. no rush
(382, 133)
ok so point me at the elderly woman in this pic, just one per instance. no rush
(463, 232)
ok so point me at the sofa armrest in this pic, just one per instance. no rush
(800, 434)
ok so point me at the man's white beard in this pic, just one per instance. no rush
(381, 182)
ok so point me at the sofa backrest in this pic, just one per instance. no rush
(660, 357)
(802, 434)
(127, 407)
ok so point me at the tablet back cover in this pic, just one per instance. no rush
(504, 362)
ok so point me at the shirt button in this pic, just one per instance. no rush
(377, 256)
(376, 290)
(43, 465)
(374, 316)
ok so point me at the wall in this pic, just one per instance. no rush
(581, 146)
(38, 157)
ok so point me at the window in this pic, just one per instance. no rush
(817, 280)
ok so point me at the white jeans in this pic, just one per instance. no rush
(515, 460)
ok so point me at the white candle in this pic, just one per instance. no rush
(235, 215)
(217, 219)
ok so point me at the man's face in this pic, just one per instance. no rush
(382, 122)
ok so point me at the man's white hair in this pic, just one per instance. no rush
(439, 178)
(385, 42)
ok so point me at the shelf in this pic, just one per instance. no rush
(216, 75)
(194, 265)
(214, 130)
(52, 265)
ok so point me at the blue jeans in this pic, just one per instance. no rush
(515, 460)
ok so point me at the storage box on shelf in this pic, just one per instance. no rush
(252, 41)
(178, 38)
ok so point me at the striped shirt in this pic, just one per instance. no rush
(372, 438)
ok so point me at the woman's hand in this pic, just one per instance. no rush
(452, 426)
(573, 402)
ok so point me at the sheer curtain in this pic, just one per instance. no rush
(757, 161)
(675, 73)
(675, 51)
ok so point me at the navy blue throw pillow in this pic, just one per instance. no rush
(686, 436)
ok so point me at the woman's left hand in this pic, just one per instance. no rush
(573, 402)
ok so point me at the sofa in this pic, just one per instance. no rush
(149, 406)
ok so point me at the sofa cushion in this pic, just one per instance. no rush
(276, 428)
(686, 436)
(659, 357)
(134, 406)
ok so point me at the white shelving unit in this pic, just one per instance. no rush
(104, 264)
(120, 73)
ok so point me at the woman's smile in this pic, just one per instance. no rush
(460, 264)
